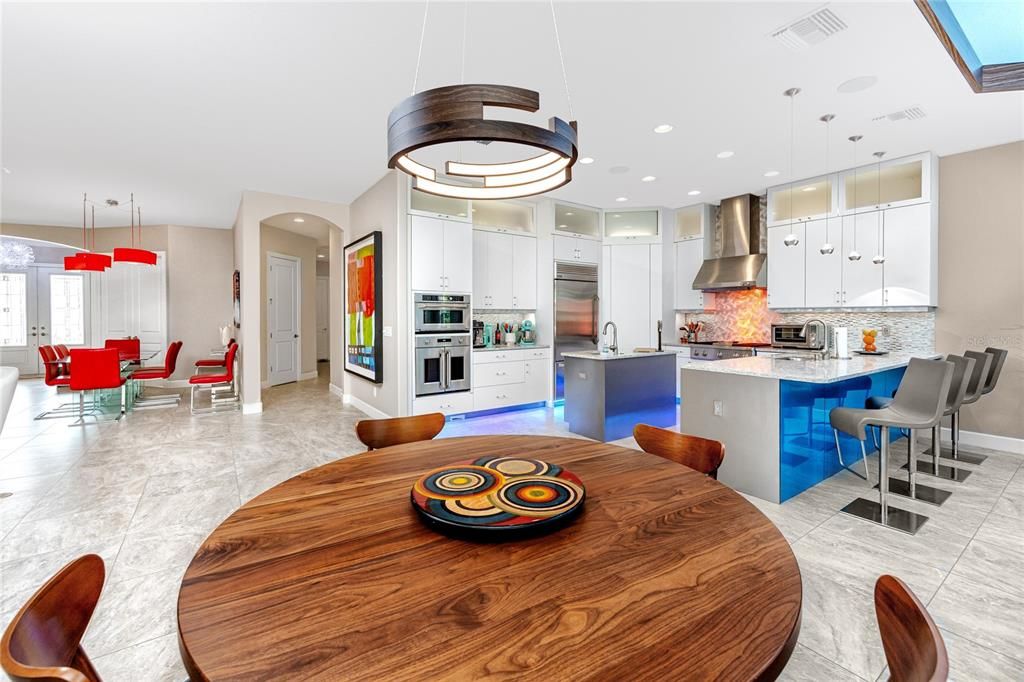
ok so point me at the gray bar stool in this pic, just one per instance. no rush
(918, 404)
(991, 379)
(962, 369)
(974, 390)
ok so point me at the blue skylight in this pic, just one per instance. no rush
(995, 28)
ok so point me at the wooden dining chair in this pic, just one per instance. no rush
(44, 641)
(913, 645)
(702, 454)
(381, 433)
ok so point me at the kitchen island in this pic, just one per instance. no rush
(607, 395)
(772, 414)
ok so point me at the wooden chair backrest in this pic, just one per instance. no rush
(913, 645)
(43, 642)
(381, 433)
(702, 454)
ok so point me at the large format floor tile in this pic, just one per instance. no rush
(144, 493)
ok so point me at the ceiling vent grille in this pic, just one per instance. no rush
(911, 114)
(810, 29)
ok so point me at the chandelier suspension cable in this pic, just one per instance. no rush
(561, 59)
(419, 52)
(132, 211)
(85, 235)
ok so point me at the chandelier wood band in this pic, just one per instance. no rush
(455, 113)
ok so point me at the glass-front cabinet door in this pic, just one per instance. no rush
(898, 182)
(631, 224)
(805, 200)
(578, 221)
(503, 216)
(438, 207)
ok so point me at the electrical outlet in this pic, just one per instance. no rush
(582, 375)
(719, 409)
(387, 331)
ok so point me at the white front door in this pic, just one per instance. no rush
(41, 306)
(323, 318)
(282, 319)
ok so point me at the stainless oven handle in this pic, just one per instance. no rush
(445, 369)
(437, 306)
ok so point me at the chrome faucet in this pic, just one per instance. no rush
(614, 348)
(824, 330)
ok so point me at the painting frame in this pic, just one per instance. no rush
(236, 298)
(362, 359)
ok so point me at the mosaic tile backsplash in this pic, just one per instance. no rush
(744, 316)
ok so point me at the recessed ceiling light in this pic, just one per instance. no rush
(622, 199)
(693, 192)
(663, 128)
(562, 227)
(857, 84)
(809, 189)
(298, 220)
(7, 170)
(724, 155)
(320, 255)
(771, 174)
(648, 178)
(568, 213)
(586, 159)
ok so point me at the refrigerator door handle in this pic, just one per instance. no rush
(594, 304)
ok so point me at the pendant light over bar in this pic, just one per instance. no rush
(854, 254)
(880, 236)
(827, 248)
(791, 239)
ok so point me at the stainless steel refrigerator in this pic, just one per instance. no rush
(576, 314)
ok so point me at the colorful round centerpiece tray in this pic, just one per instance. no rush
(498, 498)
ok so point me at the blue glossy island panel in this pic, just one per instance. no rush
(807, 449)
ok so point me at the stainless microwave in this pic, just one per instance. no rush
(443, 314)
(793, 336)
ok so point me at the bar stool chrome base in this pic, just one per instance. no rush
(899, 519)
(922, 493)
(942, 471)
(960, 456)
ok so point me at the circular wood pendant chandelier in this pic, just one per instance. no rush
(455, 113)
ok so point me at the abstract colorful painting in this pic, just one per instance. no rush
(364, 350)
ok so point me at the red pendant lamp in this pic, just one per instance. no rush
(134, 255)
(86, 260)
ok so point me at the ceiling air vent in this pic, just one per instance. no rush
(809, 29)
(911, 114)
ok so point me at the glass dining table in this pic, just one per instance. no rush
(107, 401)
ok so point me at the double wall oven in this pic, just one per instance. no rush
(442, 339)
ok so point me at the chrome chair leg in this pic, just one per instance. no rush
(863, 454)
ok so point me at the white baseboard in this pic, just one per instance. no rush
(988, 440)
(338, 391)
(306, 376)
(365, 408)
(252, 408)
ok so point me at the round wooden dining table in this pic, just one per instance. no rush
(331, 575)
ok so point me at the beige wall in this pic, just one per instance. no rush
(199, 266)
(274, 240)
(378, 209)
(981, 274)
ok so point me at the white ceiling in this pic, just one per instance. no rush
(306, 224)
(189, 104)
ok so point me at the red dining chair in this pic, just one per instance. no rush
(129, 348)
(216, 362)
(157, 373)
(96, 369)
(62, 351)
(56, 375)
(214, 382)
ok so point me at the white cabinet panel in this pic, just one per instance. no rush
(448, 403)
(564, 248)
(862, 279)
(655, 310)
(481, 290)
(524, 273)
(499, 373)
(589, 251)
(492, 397)
(824, 282)
(786, 277)
(499, 270)
(427, 249)
(908, 243)
(630, 294)
(688, 258)
(458, 257)
(576, 249)
(537, 375)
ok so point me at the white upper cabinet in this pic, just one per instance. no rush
(629, 291)
(688, 258)
(504, 271)
(504, 216)
(824, 279)
(442, 255)
(786, 275)
(862, 279)
(911, 256)
(803, 201)
(524, 278)
(576, 249)
(438, 207)
(694, 222)
(578, 221)
(631, 225)
(901, 182)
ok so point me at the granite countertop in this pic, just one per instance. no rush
(811, 371)
(593, 355)
(492, 348)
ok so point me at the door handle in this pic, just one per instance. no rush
(296, 336)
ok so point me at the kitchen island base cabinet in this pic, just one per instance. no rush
(606, 397)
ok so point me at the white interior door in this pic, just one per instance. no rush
(323, 317)
(282, 319)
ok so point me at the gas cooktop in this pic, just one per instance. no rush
(729, 344)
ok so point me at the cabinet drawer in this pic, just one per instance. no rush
(499, 373)
(491, 397)
(512, 355)
(450, 403)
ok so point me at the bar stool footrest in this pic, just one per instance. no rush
(945, 473)
(923, 493)
(898, 519)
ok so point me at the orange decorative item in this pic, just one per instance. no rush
(868, 336)
(134, 255)
(85, 260)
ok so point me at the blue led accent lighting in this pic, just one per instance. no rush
(807, 450)
(994, 29)
(497, 410)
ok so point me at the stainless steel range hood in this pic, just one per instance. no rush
(737, 261)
